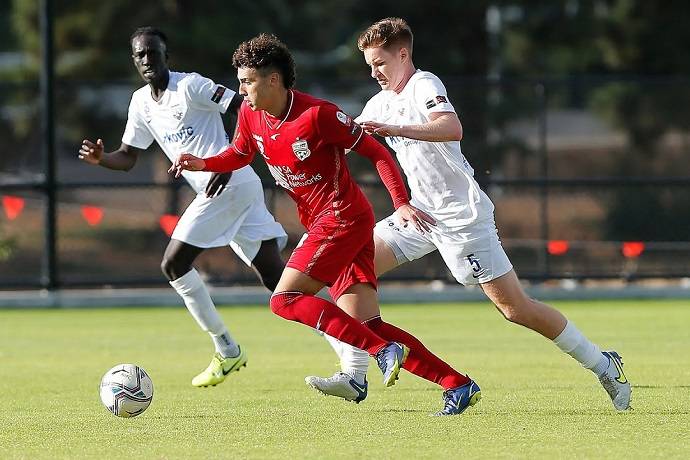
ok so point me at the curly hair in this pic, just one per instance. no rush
(386, 33)
(266, 53)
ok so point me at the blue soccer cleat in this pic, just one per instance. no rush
(390, 360)
(340, 385)
(457, 400)
(615, 383)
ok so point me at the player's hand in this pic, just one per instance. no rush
(409, 215)
(90, 152)
(186, 162)
(216, 184)
(380, 129)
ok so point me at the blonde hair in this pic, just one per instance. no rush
(385, 34)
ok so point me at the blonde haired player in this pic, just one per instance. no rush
(414, 115)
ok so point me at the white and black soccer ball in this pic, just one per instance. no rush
(126, 390)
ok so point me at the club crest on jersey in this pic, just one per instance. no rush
(177, 112)
(344, 119)
(301, 149)
(147, 113)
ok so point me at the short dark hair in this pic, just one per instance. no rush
(385, 34)
(266, 52)
(148, 30)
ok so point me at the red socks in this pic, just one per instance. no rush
(420, 361)
(327, 317)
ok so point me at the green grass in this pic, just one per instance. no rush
(537, 403)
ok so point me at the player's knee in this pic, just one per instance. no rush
(281, 301)
(172, 268)
(518, 313)
(373, 323)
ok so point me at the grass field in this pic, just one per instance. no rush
(537, 403)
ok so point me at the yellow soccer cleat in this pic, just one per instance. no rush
(218, 370)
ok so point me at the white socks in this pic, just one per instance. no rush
(572, 342)
(353, 361)
(193, 291)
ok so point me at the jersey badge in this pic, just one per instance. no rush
(301, 149)
(147, 113)
(218, 94)
(177, 112)
(437, 100)
(344, 119)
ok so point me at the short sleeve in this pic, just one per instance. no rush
(204, 94)
(243, 141)
(368, 112)
(137, 133)
(337, 128)
(431, 96)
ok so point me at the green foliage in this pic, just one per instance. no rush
(7, 247)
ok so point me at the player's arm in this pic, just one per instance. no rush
(122, 159)
(393, 181)
(441, 127)
(218, 181)
(228, 160)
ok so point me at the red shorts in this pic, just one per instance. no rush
(338, 252)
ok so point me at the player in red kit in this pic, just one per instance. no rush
(303, 141)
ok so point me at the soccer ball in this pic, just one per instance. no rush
(126, 390)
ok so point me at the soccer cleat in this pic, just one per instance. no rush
(456, 400)
(340, 385)
(614, 381)
(218, 370)
(390, 360)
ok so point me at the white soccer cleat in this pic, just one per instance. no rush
(615, 383)
(340, 385)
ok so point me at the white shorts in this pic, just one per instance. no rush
(237, 217)
(473, 254)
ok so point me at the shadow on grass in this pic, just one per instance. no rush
(661, 386)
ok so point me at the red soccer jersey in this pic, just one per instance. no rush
(305, 152)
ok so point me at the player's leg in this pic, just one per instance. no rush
(353, 361)
(294, 299)
(483, 261)
(360, 301)
(258, 239)
(207, 223)
(356, 294)
(510, 299)
(394, 245)
(177, 267)
(268, 265)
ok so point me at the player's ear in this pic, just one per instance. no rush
(275, 79)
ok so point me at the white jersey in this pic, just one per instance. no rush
(440, 178)
(186, 119)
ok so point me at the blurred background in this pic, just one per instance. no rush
(575, 113)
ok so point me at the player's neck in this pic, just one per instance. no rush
(409, 71)
(159, 86)
(279, 108)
